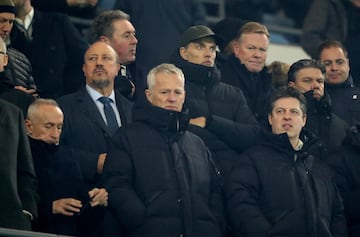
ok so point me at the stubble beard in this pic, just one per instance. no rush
(100, 84)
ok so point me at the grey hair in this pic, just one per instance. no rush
(165, 68)
(31, 112)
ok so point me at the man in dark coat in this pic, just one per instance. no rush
(218, 111)
(246, 68)
(114, 27)
(151, 20)
(18, 181)
(63, 197)
(18, 69)
(7, 91)
(308, 76)
(346, 165)
(54, 47)
(344, 94)
(184, 195)
(281, 187)
(86, 131)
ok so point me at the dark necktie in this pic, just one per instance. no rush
(109, 114)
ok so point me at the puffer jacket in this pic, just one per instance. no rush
(256, 87)
(230, 126)
(345, 99)
(277, 191)
(329, 127)
(19, 69)
(160, 178)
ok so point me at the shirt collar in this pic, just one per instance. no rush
(28, 19)
(299, 145)
(96, 95)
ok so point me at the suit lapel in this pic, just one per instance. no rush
(120, 107)
(89, 108)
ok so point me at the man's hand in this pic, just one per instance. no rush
(199, 121)
(99, 197)
(28, 91)
(66, 206)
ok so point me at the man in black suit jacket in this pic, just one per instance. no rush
(85, 131)
(18, 180)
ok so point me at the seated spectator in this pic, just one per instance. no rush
(279, 187)
(63, 196)
(54, 47)
(218, 112)
(346, 165)
(344, 94)
(308, 76)
(7, 90)
(92, 116)
(18, 70)
(337, 20)
(114, 27)
(184, 195)
(246, 68)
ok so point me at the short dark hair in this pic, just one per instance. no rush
(304, 63)
(103, 24)
(287, 92)
(330, 44)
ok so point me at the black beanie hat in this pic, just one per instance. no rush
(227, 30)
(7, 6)
(194, 33)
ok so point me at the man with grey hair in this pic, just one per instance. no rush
(114, 27)
(63, 195)
(184, 195)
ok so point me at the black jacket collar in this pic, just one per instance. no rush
(167, 122)
(196, 73)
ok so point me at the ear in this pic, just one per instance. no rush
(118, 68)
(148, 94)
(270, 119)
(234, 45)
(83, 68)
(304, 120)
(183, 53)
(104, 38)
(28, 126)
(291, 84)
(236, 49)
